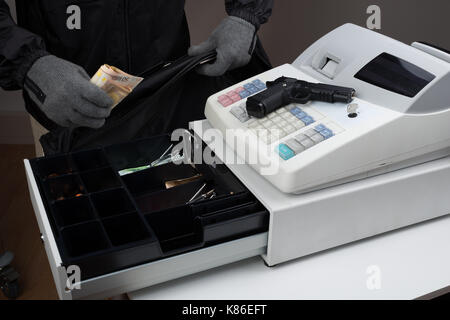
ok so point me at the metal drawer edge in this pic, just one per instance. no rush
(175, 267)
(47, 237)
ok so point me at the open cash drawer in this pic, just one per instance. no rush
(131, 231)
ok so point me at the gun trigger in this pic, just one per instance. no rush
(301, 100)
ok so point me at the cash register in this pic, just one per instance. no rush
(304, 177)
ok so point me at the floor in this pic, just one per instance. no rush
(19, 232)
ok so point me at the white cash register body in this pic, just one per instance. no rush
(391, 130)
(384, 169)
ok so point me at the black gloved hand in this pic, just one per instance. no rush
(63, 92)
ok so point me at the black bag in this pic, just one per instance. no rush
(168, 98)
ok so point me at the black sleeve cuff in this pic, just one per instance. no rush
(26, 64)
(246, 15)
(257, 12)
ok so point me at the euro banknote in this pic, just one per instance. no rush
(116, 83)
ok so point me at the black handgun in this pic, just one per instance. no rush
(284, 91)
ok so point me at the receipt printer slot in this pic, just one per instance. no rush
(326, 63)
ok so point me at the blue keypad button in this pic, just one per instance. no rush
(308, 120)
(250, 87)
(285, 152)
(244, 94)
(253, 89)
(296, 111)
(327, 133)
(301, 115)
(320, 127)
(259, 84)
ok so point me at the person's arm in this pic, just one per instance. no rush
(257, 12)
(60, 89)
(19, 49)
(235, 38)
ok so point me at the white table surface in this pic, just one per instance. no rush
(412, 262)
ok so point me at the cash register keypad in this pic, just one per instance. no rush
(281, 123)
(304, 141)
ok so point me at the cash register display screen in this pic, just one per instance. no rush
(394, 74)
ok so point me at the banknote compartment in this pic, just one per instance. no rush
(154, 179)
(169, 198)
(137, 153)
(89, 160)
(100, 180)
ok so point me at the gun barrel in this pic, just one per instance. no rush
(330, 93)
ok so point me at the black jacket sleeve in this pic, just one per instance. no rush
(19, 49)
(256, 12)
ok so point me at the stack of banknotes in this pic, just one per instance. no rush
(116, 83)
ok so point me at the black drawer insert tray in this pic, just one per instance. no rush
(104, 222)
